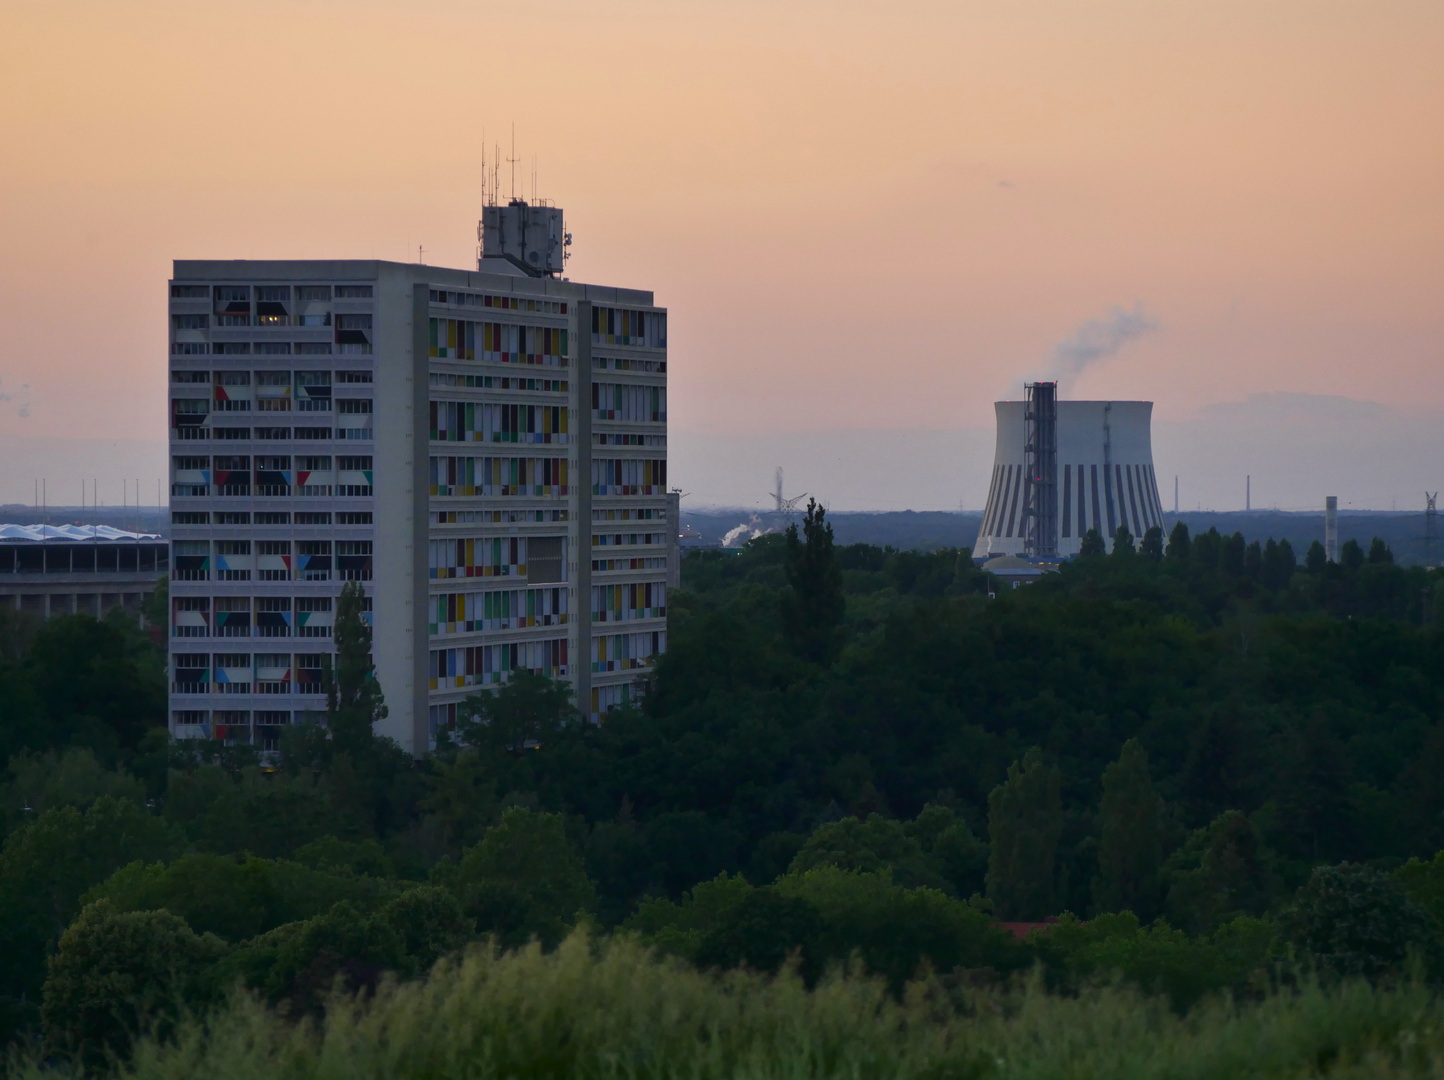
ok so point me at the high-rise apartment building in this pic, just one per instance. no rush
(485, 451)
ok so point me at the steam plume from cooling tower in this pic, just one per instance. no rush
(1098, 339)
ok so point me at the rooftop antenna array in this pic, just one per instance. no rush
(512, 160)
(527, 230)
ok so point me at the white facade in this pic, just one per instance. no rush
(484, 450)
(1105, 475)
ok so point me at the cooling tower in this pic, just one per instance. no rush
(1100, 477)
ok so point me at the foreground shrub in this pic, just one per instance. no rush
(1355, 920)
(120, 973)
(614, 1010)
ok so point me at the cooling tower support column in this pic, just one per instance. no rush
(1040, 462)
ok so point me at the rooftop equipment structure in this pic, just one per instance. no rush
(1061, 468)
(531, 238)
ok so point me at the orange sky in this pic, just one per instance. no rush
(874, 215)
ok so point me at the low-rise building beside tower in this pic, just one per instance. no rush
(485, 451)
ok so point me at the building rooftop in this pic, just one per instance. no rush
(72, 533)
(1013, 564)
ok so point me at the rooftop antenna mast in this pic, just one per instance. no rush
(513, 160)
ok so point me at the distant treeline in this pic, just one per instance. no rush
(929, 530)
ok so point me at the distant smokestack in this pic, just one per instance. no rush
(1248, 492)
(1331, 527)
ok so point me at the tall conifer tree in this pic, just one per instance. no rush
(813, 607)
(1129, 852)
(353, 696)
(1025, 820)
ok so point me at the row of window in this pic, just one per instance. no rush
(627, 652)
(192, 412)
(622, 603)
(502, 609)
(627, 363)
(630, 513)
(271, 462)
(248, 673)
(244, 718)
(82, 557)
(239, 486)
(260, 616)
(269, 517)
(347, 343)
(607, 698)
(273, 476)
(273, 434)
(467, 421)
(628, 438)
(272, 307)
(540, 559)
(505, 303)
(479, 665)
(618, 326)
(206, 433)
(493, 517)
(656, 562)
(504, 343)
(498, 476)
(191, 324)
(271, 560)
(618, 539)
(629, 402)
(270, 383)
(186, 347)
(305, 294)
(498, 382)
(629, 476)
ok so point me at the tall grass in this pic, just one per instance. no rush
(612, 1009)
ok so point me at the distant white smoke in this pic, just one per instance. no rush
(740, 533)
(1098, 339)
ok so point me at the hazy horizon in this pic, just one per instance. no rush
(1291, 450)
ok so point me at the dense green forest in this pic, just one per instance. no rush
(1211, 766)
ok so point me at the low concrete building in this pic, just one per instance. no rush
(1013, 570)
(60, 570)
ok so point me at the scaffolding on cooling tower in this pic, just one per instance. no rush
(1040, 475)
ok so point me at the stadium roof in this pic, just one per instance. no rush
(72, 533)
